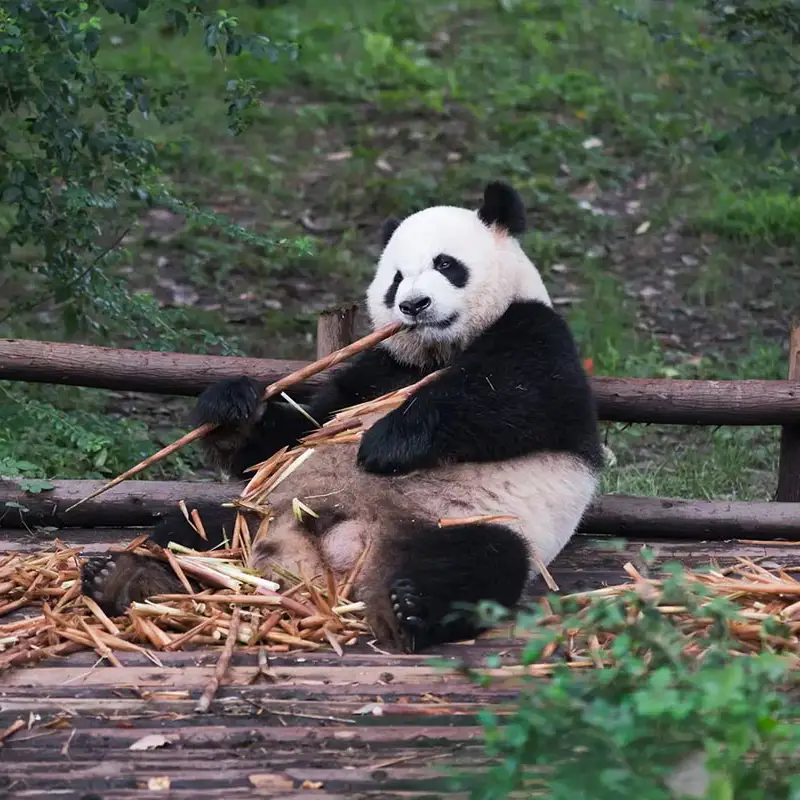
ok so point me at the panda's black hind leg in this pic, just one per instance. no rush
(432, 571)
(114, 582)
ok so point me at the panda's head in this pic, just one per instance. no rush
(450, 273)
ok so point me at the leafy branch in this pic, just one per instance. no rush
(73, 165)
(661, 701)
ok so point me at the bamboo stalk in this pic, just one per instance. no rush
(273, 389)
(222, 664)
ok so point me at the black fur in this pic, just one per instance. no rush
(114, 582)
(520, 388)
(436, 570)
(388, 228)
(391, 292)
(503, 206)
(454, 270)
(229, 402)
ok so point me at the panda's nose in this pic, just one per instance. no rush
(415, 306)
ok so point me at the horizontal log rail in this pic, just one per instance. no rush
(141, 503)
(646, 400)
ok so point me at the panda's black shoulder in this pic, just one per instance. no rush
(530, 329)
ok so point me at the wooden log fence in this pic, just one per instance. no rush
(626, 400)
(140, 504)
(633, 400)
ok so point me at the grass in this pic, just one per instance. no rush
(397, 104)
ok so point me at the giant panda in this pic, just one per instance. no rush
(509, 428)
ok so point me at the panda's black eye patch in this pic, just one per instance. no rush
(454, 270)
(391, 292)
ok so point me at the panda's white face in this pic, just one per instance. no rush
(450, 276)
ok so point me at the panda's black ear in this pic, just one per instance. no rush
(387, 229)
(503, 206)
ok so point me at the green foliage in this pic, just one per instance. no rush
(662, 700)
(75, 171)
(761, 58)
(388, 106)
(749, 215)
(38, 440)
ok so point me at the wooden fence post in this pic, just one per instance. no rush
(336, 329)
(789, 463)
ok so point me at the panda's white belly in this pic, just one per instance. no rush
(546, 493)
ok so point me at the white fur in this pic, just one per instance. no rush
(500, 272)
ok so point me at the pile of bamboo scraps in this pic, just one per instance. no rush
(758, 595)
(238, 607)
(305, 616)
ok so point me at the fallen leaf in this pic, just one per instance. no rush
(312, 785)
(643, 228)
(159, 784)
(150, 742)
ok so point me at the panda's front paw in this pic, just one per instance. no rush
(390, 447)
(232, 401)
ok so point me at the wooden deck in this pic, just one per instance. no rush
(365, 725)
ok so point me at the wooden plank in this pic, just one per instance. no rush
(314, 723)
(130, 370)
(327, 741)
(190, 677)
(132, 503)
(789, 462)
(689, 402)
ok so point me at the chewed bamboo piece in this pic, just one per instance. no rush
(272, 390)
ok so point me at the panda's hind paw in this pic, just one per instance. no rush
(410, 612)
(94, 574)
(116, 581)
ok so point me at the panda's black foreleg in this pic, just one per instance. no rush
(249, 429)
(115, 581)
(431, 571)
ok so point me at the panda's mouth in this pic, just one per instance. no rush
(440, 324)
